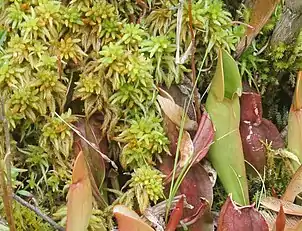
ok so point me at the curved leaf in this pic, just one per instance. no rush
(128, 220)
(176, 215)
(226, 153)
(234, 218)
(79, 205)
(254, 129)
(294, 135)
(294, 187)
(175, 113)
(261, 12)
(273, 203)
(280, 221)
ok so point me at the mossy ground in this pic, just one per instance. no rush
(86, 58)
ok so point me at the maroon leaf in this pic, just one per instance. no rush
(251, 105)
(255, 130)
(203, 137)
(280, 221)
(176, 215)
(202, 142)
(234, 218)
(196, 185)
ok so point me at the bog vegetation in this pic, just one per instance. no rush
(155, 115)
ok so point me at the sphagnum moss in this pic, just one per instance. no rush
(95, 52)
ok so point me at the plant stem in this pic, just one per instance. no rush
(6, 184)
(37, 211)
(196, 98)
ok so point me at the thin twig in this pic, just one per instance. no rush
(178, 30)
(6, 184)
(242, 23)
(37, 211)
(106, 158)
(196, 98)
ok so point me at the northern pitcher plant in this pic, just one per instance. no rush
(226, 153)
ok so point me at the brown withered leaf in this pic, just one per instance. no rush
(175, 113)
(280, 220)
(79, 205)
(128, 220)
(270, 216)
(96, 165)
(165, 94)
(172, 134)
(273, 203)
(298, 227)
(261, 12)
(186, 149)
(181, 95)
(294, 187)
(234, 218)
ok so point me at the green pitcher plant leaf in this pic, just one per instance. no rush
(226, 153)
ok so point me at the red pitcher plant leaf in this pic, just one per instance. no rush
(255, 130)
(200, 145)
(203, 137)
(234, 218)
(280, 221)
(197, 187)
(176, 215)
(79, 205)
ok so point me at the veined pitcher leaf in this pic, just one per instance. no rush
(290, 208)
(254, 129)
(226, 153)
(79, 205)
(196, 185)
(294, 187)
(203, 137)
(294, 136)
(194, 150)
(234, 218)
